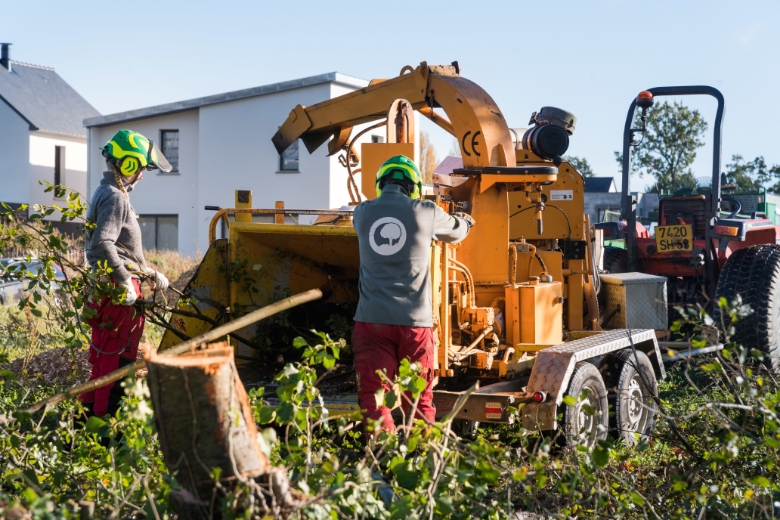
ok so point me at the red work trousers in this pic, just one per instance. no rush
(382, 347)
(116, 332)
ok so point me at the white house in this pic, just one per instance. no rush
(42, 136)
(222, 143)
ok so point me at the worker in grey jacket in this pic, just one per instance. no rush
(394, 316)
(116, 242)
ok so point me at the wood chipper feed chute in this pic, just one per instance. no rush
(209, 290)
(263, 263)
(271, 261)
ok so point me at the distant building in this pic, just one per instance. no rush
(222, 143)
(602, 201)
(42, 136)
(600, 185)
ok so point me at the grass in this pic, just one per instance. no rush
(171, 263)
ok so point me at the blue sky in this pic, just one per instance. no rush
(588, 57)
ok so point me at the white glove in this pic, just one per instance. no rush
(160, 281)
(465, 217)
(131, 296)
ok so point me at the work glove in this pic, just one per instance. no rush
(465, 216)
(159, 279)
(131, 296)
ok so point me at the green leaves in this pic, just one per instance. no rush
(600, 455)
(405, 476)
(325, 353)
(761, 481)
(569, 400)
(409, 379)
(668, 148)
(94, 424)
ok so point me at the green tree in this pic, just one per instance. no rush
(427, 158)
(668, 148)
(581, 164)
(753, 175)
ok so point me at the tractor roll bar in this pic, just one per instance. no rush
(628, 212)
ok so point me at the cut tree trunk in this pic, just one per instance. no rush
(205, 423)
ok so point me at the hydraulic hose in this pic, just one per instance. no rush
(469, 280)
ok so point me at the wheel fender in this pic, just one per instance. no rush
(554, 366)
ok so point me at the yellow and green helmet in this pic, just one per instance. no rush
(400, 167)
(132, 150)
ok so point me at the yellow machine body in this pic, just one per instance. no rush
(534, 314)
(503, 293)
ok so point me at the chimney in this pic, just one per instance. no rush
(5, 58)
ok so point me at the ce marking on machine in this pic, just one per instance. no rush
(474, 143)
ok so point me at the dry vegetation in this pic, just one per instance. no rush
(33, 347)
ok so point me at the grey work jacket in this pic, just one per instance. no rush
(117, 236)
(395, 233)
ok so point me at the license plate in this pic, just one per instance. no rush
(674, 238)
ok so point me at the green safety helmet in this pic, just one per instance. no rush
(132, 150)
(400, 167)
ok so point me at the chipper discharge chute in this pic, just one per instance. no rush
(515, 304)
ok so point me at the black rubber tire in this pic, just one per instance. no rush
(754, 274)
(465, 427)
(631, 386)
(615, 260)
(579, 428)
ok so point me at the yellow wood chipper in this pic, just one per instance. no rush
(516, 304)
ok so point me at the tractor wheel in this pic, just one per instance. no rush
(754, 274)
(631, 386)
(587, 420)
(615, 260)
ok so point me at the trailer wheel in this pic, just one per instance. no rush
(580, 426)
(465, 427)
(754, 274)
(631, 385)
(615, 260)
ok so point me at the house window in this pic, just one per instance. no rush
(59, 164)
(159, 232)
(377, 139)
(288, 161)
(170, 147)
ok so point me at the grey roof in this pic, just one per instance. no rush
(191, 104)
(598, 184)
(43, 99)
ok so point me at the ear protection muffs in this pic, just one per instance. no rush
(129, 166)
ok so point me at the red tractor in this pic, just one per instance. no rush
(704, 253)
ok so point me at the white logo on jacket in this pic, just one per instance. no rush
(387, 236)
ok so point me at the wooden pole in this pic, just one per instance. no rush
(252, 317)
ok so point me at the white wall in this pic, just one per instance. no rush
(161, 193)
(42, 157)
(236, 153)
(227, 147)
(14, 156)
(646, 203)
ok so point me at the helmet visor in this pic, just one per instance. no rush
(156, 159)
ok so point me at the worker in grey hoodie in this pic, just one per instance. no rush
(394, 316)
(115, 241)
